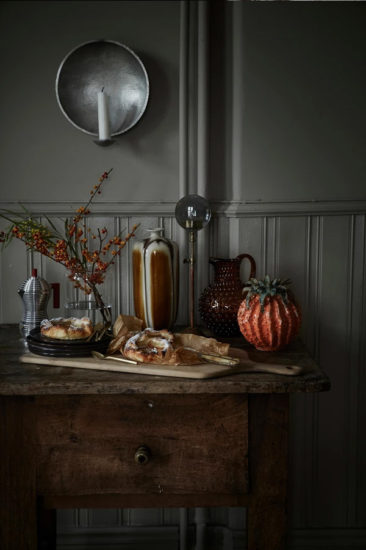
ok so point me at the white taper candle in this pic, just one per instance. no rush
(103, 119)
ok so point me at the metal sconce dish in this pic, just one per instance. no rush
(92, 67)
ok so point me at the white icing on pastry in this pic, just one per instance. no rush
(150, 346)
(71, 328)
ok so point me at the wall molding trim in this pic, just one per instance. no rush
(120, 208)
(231, 209)
(288, 208)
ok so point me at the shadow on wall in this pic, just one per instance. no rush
(160, 97)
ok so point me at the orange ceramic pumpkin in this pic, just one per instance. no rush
(268, 317)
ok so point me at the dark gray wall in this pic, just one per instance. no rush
(43, 156)
(285, 142)
(301, 71)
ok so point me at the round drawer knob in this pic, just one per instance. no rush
(142, 455)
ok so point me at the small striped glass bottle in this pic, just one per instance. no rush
(155, 264)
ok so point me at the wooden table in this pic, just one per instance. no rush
(68, 439)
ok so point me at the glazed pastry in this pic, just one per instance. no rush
(162, 347)
(150, 346)
(67, 329)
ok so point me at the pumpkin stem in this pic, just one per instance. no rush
(266, 287)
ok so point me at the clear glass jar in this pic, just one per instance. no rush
(89, 308)
(79, 304)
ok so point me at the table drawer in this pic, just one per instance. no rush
(87, 445)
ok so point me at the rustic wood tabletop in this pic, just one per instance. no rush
(17, 378)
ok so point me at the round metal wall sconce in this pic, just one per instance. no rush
(102, 74)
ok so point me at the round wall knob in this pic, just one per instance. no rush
(142, 455)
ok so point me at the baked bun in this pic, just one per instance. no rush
(67, 329)
(150, 346)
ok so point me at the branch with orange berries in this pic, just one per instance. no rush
(74, 247)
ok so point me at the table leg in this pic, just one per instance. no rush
(46, 527)
(268, 468)
(18, 510)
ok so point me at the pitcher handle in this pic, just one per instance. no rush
(253, 266)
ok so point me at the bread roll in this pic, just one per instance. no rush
(150, 346)
(67, 329)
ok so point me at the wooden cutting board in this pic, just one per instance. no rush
(203, 370)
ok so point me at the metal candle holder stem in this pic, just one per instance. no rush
(191, 260)
(193, 213)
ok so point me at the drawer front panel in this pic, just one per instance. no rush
(87, 445)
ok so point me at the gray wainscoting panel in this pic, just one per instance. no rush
(325, 256)
(250, 239)
(360, 456)
(331, 435)
(14, 264)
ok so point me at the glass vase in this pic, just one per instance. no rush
(95, 306)
(89, 308)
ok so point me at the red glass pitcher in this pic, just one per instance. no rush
(219, 302)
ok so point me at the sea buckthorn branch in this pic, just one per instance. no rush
(72, 249)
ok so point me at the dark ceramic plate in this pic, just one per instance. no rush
(41, 345)
(37, 336)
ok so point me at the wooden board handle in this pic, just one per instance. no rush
(273, 368)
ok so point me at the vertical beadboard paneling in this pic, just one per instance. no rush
(325, 257)
(84, 518)
(146, 516)
(54, 273)
(124, 268)
(170, 516)
(312, 340)
(271, 248)
(234, 238)
(310, 325)
(354, 338)
(251, 241)
(67, 520)
(104, 518)
(237, 518)
(361, 439)
(219, 229)
(330, 476)
(14, 271)
(287, 254)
